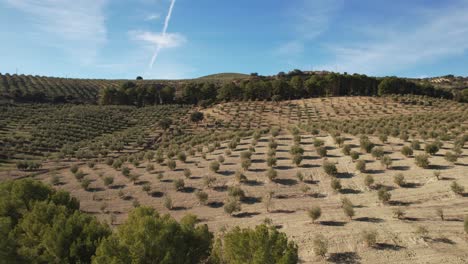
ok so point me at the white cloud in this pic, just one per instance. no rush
(441, 34)
(168, 40)
(78, 27)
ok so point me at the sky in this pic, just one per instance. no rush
(177, 39)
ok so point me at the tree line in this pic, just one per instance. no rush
(294, 85)
(41, 225)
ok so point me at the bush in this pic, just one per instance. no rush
(146, 187)
(300, 176)
(330, 168)
(354, 155)
(246, 163)
(208, 181)
(368, 181)
(366, 145)
(168, 202)
(221, 159)
(202, 197)
(369, 237)
(321, 151)
(179, 184)
(149, 167)
(361, 165)
(318, 142)
(457, 188)
(422, 160)
(346, 150)
(415, 145)
(431, 149)
(108, 181)
(74, 168)
(161, 239)
(398, 213)
(79, 175)
(465, 224)
(384, 195)
(214, 166)
(440, 213)
(386, 161)
(236, 192)
(296, 149)
(264, 244)
(348, 210)
(232, 206)
(399, 180)
(182, 157)
(335, 184)
(378, 152)
(406, 151)
(297, 159)
(240, 177)
(314, 213)
(171, 164)
(320, 245)
(271, 174)
(451, 157)
(271, 161)
(187, 173)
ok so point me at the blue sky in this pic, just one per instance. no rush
(117, 39)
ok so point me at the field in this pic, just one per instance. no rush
(272, 157)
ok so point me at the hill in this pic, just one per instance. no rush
(224, 76)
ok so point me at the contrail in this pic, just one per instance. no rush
(166, 24)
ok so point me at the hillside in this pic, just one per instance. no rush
(224, 76)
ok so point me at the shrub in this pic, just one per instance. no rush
(208, 181)
(431, 149)
(108, 180)
(146, 188)
(437, 174)
(320, 245)
(168, 202)
(398, 213)
(91, 164)
(171, 164)
(161, 238)
(354, 155)
(267, 200)
(246, 155)
(271, 161)
(125, 171)
(314, 213)
(240, 177)
(232, 206)
(335, 184)
(440, 213)
(406, 151)
(274, 131)
(369, 181)
(366, 145)
(361, 165)
(221, 159)
(214, 166)
(386, 161)
(346, 150)
(321, 151)
(264, 244)
(236, 192)
(318, 142)
(134, 177)
(415, 145)
(330, 168)
(79, 175)
(422, 160)
(378, 152)
(297, 159)
(422, 231)
(348, 210)
(179, 184)
(271, 174)
(457, 188)
(202, 197)
(465, 223)
(384, 195)
(187, 173)
(182, 157)
(246, 163)
(85, 183)
(300, 176)
(383, 138)
(451, 157)
(296, 149)
(399, 180)
(149, 167)
(272, 145)
(305, 189)
(369, 237)
(55, 180)
(74, 169)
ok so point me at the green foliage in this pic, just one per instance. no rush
(262, 245)
(369, 237)
(399, 180)
(431, 149)
(330, 168)
(236, 192)
(354, 155)
(451, 157)
(406, 151)
(271, 174)
(214, 166)
(457, 188)
(171, 164)
(335, 184)
(314, 213)
(422, 160)
(384, 195)
(377, 152)
(179, 184)
(202, 197)
(368, 181)
(231, 206)
(147, 237)
(361, 165)
(346, 149)
(321, 151)
(386, 161)
(320, 245)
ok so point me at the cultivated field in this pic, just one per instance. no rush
(394, 167)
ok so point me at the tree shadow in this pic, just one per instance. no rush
(188, 190)
(220, 188)
(375, 171)
(283, 211)
(344, 175)
(311, 182)
(400, 168)
(253, 183)
(438, 167)
(179, 208)
(251, 200)
(157, 194)
(258, 161)
(332, 223)
(288, 182)
(167, 180)
(257, 170)
(215, 204)
(411, 185)
(246, 214)
(317, 195)
(386, 246)
(282, 167)
(350, 191)
(369, 219)
(344, 258)
(310, 166)
(226, 173)
(117, 186)
(399, 203)
(443, 240)
(96, 189)
(140, 183)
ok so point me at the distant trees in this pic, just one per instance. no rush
(129, 93)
